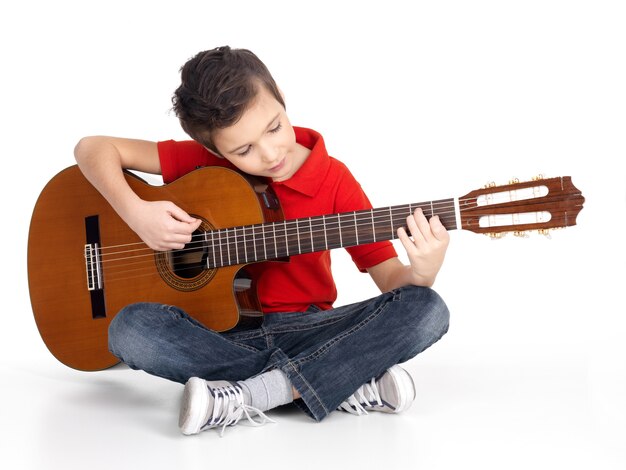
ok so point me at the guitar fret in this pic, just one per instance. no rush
(277, 245)
(243, 241)
(373, 225)
(274, 232)
(242, 245)
(298, 236)
(334, 232)
(213, 246)
(264, 243)
(321, 234)
(345, 232)
(228, 247)
(254, 243)
(286, 238)
(364, 234)
(356, 229)
(261, 241)
(224, 247)
(340, 234)
(205, 235)
(398, 223)
(219, 233)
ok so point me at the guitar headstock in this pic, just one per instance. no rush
(540, 204)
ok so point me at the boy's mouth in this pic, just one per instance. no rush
(278, 167)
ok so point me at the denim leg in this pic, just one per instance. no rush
(327, 355)
(165, 341)
(332, 353)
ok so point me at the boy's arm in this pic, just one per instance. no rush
(426, 249)
(161, 224)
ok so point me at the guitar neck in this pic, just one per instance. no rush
(270, 241)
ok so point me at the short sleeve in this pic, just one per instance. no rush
(181, 157)
(351, 197)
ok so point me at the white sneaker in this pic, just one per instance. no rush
(392, 392)
(211, 404)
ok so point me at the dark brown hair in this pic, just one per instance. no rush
(217, 87)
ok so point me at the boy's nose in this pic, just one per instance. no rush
(269, 154)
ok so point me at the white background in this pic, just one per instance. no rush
(421, 102)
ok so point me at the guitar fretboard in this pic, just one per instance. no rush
(268, 241)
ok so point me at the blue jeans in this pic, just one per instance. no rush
(326, 355)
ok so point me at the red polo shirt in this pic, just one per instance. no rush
(322, 185)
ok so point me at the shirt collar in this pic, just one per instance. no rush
(307, 180)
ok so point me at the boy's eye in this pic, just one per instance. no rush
(245, 152)
(276, 129)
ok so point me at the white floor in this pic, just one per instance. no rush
(474, 409)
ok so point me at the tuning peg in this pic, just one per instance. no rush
(495, 235)
(514, 181)
(490, 184)
(545, 232)
(538, 177)
(521, 234)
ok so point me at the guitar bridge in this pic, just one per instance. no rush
(93, 267)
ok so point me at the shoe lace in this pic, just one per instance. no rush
(229, 408)
(366, 396)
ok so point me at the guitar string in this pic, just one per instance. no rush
(145, 267)
(379, 214)
(287, 228)
(364, 217)
(145, 261)
(286, 233)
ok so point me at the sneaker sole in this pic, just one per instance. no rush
(405, 382)
(193, 406)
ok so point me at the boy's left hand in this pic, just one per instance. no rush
(426, 247)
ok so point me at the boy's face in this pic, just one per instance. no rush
(262, 142)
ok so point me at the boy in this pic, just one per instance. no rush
(323, 358)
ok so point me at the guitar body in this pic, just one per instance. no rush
(74, 303)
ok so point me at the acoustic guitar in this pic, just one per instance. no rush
(85, 263)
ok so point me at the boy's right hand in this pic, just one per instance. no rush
(162, 225)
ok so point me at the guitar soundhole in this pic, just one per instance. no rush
(191, 260)
(186, 269)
